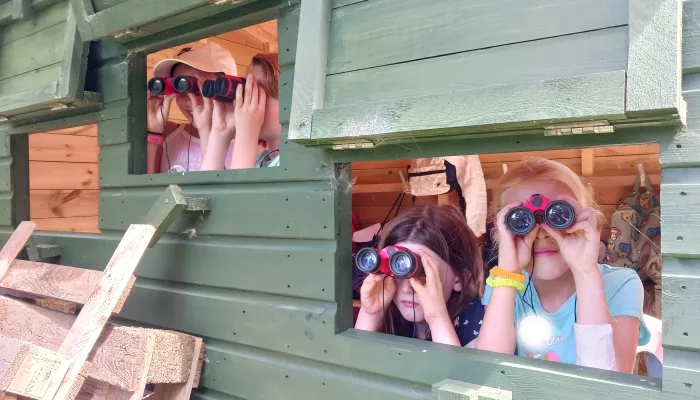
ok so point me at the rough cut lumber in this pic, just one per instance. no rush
(182, 391)
(87, 327)
(15, 244)
(120, 356)
(61, 284)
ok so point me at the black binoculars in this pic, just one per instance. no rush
(558, 214)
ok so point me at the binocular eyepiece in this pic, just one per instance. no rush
(223, 88)
(179, 84)
(395, 261)
(558, 214)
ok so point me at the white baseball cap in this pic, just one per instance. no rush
(207, 57)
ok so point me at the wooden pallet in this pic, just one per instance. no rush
(51, 354)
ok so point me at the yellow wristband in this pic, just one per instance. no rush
(519, 286)
(497, 271)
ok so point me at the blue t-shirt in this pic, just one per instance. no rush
(625, 295)
(468, 322)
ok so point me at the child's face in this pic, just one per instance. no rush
(405, 299)
(271, 127)
(183, 100)
(549, 264)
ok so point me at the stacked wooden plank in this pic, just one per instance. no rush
(56, 355)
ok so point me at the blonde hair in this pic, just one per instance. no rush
(540, 168)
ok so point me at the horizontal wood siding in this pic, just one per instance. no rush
(63, 173)
(32, 50)
(472, 44)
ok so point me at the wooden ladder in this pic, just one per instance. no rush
(54, 355)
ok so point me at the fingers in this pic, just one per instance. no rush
(250, 84)
(529, 239)
(219, 110)
(430, 267)
(254, 95)
(417, 286)
(262, 99)
(167, 102)
(586, 222)
(208, 104)
(239, 96)
(196, 100)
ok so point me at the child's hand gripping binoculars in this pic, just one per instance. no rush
(395, 261)
(179, 84)
(223, 88)
(558, 214)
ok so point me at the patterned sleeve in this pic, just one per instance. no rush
(468, 322)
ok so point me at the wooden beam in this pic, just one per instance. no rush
(378, 188)
(63, 284)
(15, 244)
(310, 66)
(478, 110)
(181, 391)
(71, 83)
(111, 364)
(87, 327)
(587, 162)
(168, 206)
(654, 67)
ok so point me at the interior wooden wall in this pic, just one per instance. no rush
(63, 187)
(611, 172)
(243, 44)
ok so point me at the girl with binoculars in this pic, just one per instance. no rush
(206, 143)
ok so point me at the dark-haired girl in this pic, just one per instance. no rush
(443, 306)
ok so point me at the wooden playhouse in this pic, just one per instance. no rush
(257, 262)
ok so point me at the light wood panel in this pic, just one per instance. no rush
(63, 179)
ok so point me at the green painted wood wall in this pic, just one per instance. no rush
(265, 279)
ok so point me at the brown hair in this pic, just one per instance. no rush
(444, 230)
(269, 64)
(543, 169)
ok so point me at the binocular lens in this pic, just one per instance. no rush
(207, 88)
(181, 85)
(520, 220)
(157, 86)
(560, 215)
(367, 260)
(401, 264)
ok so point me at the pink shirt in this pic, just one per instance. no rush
(181, 152)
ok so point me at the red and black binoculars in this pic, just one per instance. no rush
(395, 261)
(558, 214)
(223, 88)
(179, 84)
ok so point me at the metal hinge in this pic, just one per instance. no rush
(354, 145)
(579, 128)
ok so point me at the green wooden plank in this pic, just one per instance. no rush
(52, 121)
(82, 10)
(521, 106)
(112, 81)
(101, 5)
(166, 209)
(287, 378)
(31, 79)
(115, 22)
(237, 18)
(310, 67)
(685, 149)
(6, 210)
(287, 34)
(74, 63)
(113, 131)
(681, 290)
(266, 210)
(28, 100)
(286, 87)
(19, 170)
(681, 371)
(414, 29)
(42, 20)
(114, 163)
(691, 36)
(5, 175)
(18, 58)
(581, 54)
(343, 3)
(289, 267)
(680, 211)
(57, 110)
(654, 71)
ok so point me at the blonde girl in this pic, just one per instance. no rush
(568, 308)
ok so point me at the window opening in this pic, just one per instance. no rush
(63, 179)
(622, 185)
(193, 88)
